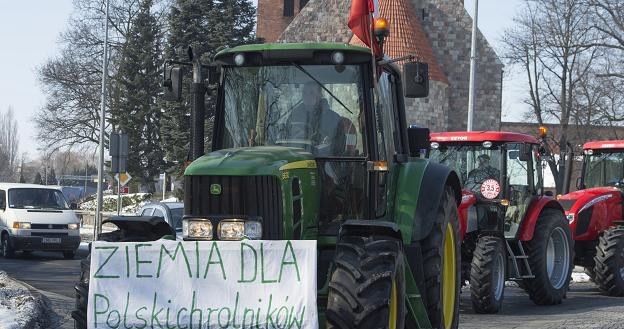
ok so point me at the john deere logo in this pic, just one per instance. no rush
(215, 189)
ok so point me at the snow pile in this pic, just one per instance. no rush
(130, 202)
(18, 308)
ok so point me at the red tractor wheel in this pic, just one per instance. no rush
(609, 268)
(550, 257)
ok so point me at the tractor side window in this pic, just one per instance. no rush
(537, 170)
(519, 192)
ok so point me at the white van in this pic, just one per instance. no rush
(36, 217)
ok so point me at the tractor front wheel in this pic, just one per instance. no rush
(367, 287)
(550, 258)
(609, 268)
(487, 275)
(441, 265)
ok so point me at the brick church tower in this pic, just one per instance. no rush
(275, 15)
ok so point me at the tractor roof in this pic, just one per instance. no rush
(327, 46)
(598, 145)
(482, 136)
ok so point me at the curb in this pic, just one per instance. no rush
(32, 319)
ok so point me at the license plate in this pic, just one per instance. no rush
(51, 240)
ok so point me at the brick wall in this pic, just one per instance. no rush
(448, 26)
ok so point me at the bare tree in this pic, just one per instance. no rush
(552, 41)
(609, 23)
(9, 145)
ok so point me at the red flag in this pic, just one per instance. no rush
(360, 23)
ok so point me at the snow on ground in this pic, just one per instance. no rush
(130, 203)
(18, 308)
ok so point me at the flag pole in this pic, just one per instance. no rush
(372, 48)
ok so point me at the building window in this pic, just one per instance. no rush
(289, 8)
(302, 3)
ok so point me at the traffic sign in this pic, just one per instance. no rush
(123, 178)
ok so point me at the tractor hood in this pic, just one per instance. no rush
(247, 161)
(578, 200)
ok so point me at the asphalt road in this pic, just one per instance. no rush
(584, 307)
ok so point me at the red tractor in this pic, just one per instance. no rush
(511, 229)
(596, 217)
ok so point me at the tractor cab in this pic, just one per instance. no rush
(500, 174)
(603, 165)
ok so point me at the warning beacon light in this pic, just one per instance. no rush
(543, 131)
(381, 29)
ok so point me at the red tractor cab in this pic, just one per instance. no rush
(595, 213)
(511, 229)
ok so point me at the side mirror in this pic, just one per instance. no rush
(73, 206)
(579, 183)
(525, 152)
(418, 139)
(172, 83)
(415, 80)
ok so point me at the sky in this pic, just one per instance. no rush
(30, 29)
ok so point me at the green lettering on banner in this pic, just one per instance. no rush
(168, 308)
(197, 259)
(193, 309)
(255, 257)
(126, 310)
(229, 316)
(116, 325)
(127, 263)
(262, 266)
(293, 262)
(173, 258)
(269, 316)
(99, 276)
(95, 308)
(139, 317)
(211, 262)
(235, 311)
(155, 315)
(294, 321)
(210, 310)
(245, 317)
(178, 318)
(138, 262)
(279, 317)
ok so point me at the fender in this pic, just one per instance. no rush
(468, 199)
(150, 227)
(369, 227)
(525, 233)
(420, 184)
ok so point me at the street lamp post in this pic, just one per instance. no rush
(473, 67)
(100, 198)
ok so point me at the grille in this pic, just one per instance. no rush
(240, 195)
(48, 226)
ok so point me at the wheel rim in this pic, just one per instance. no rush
(498, 276)
(557, 258)
(392, 319)
(449, 277)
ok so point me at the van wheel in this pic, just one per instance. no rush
(7, 250)
(69, 254)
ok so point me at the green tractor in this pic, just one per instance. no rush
(311, 142)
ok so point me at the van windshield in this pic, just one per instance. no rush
(36, 198)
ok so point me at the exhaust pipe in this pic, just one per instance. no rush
(567, 175)
(198, 112)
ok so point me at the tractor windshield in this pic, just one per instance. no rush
(315, 107)
(473, 163)
(604, 169)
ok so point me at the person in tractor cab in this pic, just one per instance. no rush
(483, 172)
(314, 120)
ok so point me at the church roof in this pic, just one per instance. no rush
(407, 36)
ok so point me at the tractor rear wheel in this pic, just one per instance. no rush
(487, 275)
(441, 265)
(609, 268)
(367, 287)
(550, 258)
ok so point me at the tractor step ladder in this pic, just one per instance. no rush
(517, 272)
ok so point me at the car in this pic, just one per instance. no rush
(37, 218)
(171, 212)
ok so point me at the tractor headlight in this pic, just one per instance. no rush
(72, 226)
(21, 225)
(238, 229)
(197, 229)
(570, 217)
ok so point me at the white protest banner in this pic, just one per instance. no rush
(209, 284)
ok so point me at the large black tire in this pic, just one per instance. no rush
(443, 312)
(487, 275)
(609, 268)
(5, 245)
(549, 288)
(367, 287)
